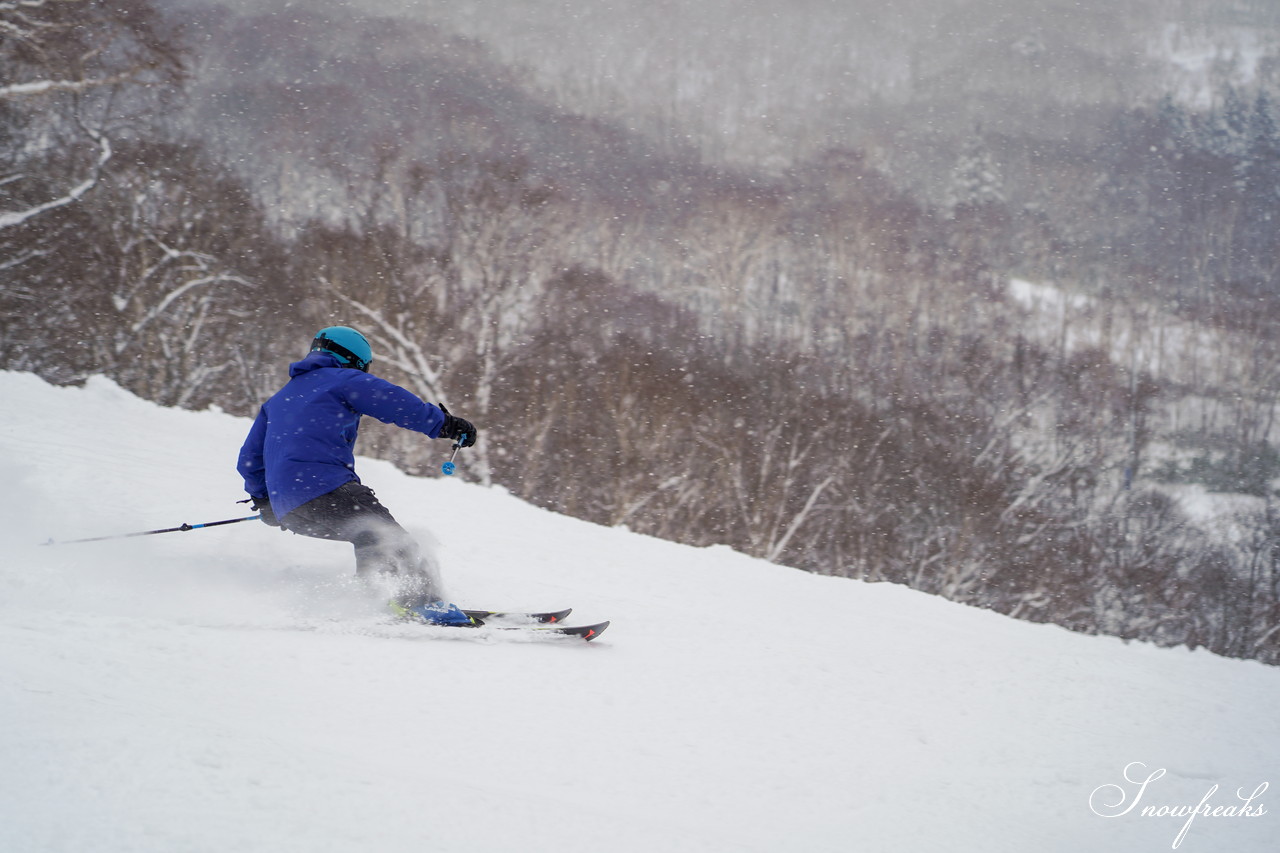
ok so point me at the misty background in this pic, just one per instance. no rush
(977, 296)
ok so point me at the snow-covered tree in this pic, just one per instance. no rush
(1258, 180)
(975, 205)
(976, 181)
(69, 72)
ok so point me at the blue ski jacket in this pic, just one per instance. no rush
(302, 444)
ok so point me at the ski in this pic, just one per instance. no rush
(585, 632)
(550, 625)
(547, 617)
(541, 622)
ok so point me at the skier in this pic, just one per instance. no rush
(298, 465)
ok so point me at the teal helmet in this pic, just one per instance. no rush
(351, 347)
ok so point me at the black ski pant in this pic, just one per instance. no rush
(352, 513)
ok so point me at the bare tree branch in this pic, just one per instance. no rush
(9, 219)
(44, 87)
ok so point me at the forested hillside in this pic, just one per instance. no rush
(811, 352)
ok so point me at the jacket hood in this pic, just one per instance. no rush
(313, 361)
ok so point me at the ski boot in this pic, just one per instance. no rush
(432, 612)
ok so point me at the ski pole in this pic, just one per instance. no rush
(448, 468)
(183, 527)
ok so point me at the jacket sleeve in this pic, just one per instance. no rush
(391, 404)
(252, 465)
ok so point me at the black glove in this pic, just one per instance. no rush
(262, 506)
(457, 429)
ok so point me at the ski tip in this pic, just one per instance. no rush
(590, 632)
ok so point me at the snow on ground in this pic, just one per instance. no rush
(1133, 334)
(228, 689)
(1171, 349)
(1141, 336)
(1196, 61)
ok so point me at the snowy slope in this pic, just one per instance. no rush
(228, 690)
